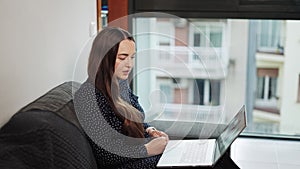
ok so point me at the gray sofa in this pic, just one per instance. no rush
(46, 134)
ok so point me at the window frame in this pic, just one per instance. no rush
(243, 9)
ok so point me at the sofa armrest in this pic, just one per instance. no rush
(46, 134)
(42, 139)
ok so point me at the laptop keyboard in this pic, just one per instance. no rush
(194, 152)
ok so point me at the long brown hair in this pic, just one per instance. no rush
(101, 68)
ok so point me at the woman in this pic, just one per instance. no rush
(108, 110)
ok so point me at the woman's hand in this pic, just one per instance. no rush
(156, 133)
(156, 146)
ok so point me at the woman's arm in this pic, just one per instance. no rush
(151, 131)
(103, 127)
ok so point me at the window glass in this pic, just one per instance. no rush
(201, 66)
(215, 36)
(270, 36)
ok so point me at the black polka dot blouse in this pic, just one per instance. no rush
(111, 148)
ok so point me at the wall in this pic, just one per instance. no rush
(39, 45)
(235, 82)
(290, 110)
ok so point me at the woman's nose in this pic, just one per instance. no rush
(129, 62)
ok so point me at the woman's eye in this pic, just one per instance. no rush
(122, 58)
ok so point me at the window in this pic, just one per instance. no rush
(207, 34)
(197, 39)
(267, 84)
(208, 81)
(207, 92)
(270, 36)
(215, 36)
(166, 95)
(166, 30)
(214, 92)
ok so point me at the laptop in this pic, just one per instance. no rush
(202, 152)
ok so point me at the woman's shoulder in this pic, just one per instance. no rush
(126, 90)
(88, 91)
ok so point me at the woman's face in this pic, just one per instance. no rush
(125, 59)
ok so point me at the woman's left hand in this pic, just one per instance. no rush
(163, 134)
(156, 133)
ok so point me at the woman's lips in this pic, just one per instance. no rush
(126, 71)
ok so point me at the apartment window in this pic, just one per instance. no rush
(198, 39)
(266, 87)
(266, 83)
(267, 100)
(166, 31)
(166, 93)
(207, 92)
(173, 90)
(214, 92)
(270, 36)
(208, 34)
(199, 88)
(180, 91)
(215, 36)
(207, 39)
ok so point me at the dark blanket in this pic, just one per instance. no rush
(46, 135)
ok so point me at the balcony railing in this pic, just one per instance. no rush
(204, 62)
(189, 113)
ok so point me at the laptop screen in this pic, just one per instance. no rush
(233, 129)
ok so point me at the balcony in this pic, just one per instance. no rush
(188, 113)
(196, 62)
(183, 120)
